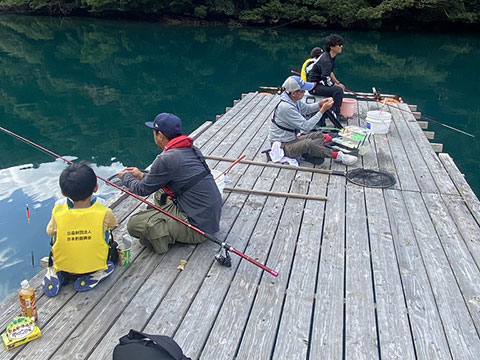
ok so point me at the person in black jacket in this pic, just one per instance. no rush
(326, 83)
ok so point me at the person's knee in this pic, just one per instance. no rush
(308, 146)
(160, 244)
(132, 227)
(338, 91)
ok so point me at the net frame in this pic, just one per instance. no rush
(370, 178)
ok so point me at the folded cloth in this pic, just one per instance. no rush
(278, 155)
(346, 159)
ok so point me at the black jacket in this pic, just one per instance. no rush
(322, 69)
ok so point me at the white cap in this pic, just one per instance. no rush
(294, 83)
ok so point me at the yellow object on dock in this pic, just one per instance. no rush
(20, 331)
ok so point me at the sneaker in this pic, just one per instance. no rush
(89, 281)
(346, 159)
(52, 282)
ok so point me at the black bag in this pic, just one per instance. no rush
(140, 346)
(112, 250)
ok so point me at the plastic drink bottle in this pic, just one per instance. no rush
(27, 300)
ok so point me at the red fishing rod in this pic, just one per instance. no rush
(224, 245)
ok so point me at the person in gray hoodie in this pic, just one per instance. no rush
(183, 187)
(288, 121)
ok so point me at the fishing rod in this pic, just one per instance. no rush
(410, 112)
(365, 96)
(223, 245)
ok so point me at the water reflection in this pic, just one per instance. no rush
(41, 183)
(85, 87)
(23, 243)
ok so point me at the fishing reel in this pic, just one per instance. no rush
(223, 257)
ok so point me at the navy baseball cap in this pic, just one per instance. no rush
(168, 124)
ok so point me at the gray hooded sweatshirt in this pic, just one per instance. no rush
(291, 115)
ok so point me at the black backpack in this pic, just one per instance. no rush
(140, 346)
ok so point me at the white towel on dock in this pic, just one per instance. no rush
(277, 155)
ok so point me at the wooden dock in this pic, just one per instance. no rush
(368, 274)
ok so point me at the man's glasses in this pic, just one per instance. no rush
(341, 45)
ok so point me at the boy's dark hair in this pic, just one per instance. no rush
(332, 40)
(78, 181)
(316, 52)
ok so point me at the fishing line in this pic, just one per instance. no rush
(410, 112)
(201, 232)
(379, 101)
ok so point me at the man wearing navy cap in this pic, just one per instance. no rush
(183, 187)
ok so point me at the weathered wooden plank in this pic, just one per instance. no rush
(360, 329)
(423, 124)
(139, 310)
(228, 327)
(464, 189)
(194, 343)
(293, 338)
(215, 133)
(428, 331)
(395, 337)
(465, 269)
(466, 224)
(198, 321)
(195, 328)
(248, 136)
(259, 334)
(223, 120)
(414, 153)
(327, 328)
(86, 334)
(166, 318)
(404, 172)
(63, 313)
(430, 135)
(224, 140)
(369, 160)
(462, 337)
(201, 129)
(443, 181)
(416, 115)
(438, 148)
(249, 144)
(384, 148)
(169, 314)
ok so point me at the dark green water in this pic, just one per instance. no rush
(84, 88)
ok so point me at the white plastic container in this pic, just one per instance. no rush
(379, 122)
(219, 180)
